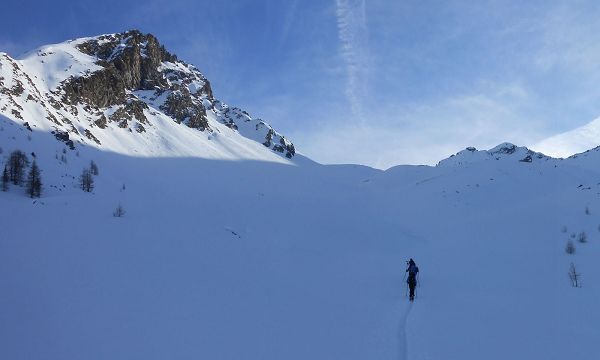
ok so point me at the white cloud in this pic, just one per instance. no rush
(288, 20)
(353, 37)
(571, 142)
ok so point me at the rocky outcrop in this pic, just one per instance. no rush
(132, 61)
(183, 108)
(257, 129)
(133, 109)
(64, 137)
(135, 57)
(100, 89)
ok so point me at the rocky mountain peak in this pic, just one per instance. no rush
(134, 56)
(125, 80)
(132, 61)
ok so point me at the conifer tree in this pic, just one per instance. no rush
(5, 179)
(119, 211)
(17, 163)
(34, 181)
(86, 181)
(94, 168)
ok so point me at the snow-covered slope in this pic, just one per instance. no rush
(255, 259)
(125, 93)
(572, 142)
(258, 260)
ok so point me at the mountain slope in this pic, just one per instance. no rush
(125, 93)
(256, 259)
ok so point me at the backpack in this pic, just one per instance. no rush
(413, 270)
(412, 274)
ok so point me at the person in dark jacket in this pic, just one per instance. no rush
(412, 271)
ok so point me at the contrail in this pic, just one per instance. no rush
(288, 20)
(352, 33)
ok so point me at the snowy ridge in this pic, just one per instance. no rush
(504, 152)
(53, 64)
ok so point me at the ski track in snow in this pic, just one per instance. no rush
(402, 343)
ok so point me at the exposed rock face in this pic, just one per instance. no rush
(132, 61)
(100, 89)
(241, 121)
(64, 136)
(132, 57)
(182, 107)
(133, 109)
(130, 78)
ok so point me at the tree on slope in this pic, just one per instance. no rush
(86, 180)
(34, 181)
(574, 276)
(17, 163)
(94, 168)
(570, 248)
(5, 179)
(119, 211)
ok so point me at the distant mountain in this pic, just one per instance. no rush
(504, 151)
(126, 93)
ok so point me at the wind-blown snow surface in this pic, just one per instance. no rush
(248, 259)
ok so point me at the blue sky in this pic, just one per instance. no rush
(366, 81)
